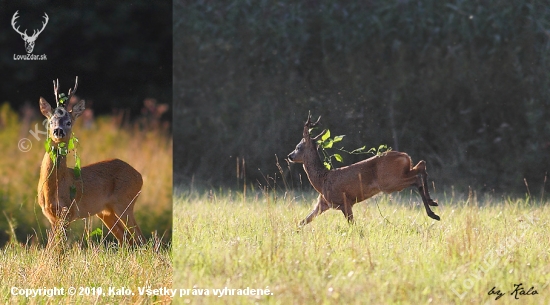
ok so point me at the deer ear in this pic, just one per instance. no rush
(77, 109)
(45, 108)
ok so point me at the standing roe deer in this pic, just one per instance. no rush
(107, 189)
(343, 187)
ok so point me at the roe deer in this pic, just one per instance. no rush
(107, 189)
(343, 187)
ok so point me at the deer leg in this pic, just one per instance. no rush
(320, 207)
(421, 183)
(127, 219)
(134, 229)
(58, 233)
(113, 224)
(346, 209)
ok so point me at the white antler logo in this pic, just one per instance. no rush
(29, 40)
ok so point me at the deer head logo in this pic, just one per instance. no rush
(29, 40)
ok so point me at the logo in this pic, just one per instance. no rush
(29, 40)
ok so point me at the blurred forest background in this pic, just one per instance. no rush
(464, 85)
(122, 55)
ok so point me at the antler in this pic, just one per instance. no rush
(309, 125)
(56, 91)
(34, 33)
(15, 16)
(61, 98)
(72, 91)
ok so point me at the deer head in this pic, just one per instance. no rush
(60, 121)
(29, 40)
(308, 144)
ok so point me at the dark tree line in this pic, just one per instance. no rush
(121, 52)
(461, 84)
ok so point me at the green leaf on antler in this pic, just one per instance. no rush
(325, 136)
(327, 144)
(62, 99)
(338, 138)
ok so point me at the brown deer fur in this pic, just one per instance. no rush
(343, 187)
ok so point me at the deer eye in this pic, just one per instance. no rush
(69, 123)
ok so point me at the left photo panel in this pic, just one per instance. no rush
(86, 138)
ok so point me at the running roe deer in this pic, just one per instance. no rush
(343, 187)
(107, 189)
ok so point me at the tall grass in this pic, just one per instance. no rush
(93, 268)
(83, 262)
(150, 152)
(394, 254)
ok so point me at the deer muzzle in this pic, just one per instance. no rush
(291, 156)
(58, 133)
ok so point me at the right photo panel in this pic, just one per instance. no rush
(361, 152)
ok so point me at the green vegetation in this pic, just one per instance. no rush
(150, 152)
(394, 254)
(463, 85)
(326, 142)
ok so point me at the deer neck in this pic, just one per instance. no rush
(315, 170)
(54, 188)
(53, 173)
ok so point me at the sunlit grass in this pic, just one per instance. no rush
(83, 262)
(393, 254)
(92, 271)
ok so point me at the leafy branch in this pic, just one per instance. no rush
(326, 142)
(63, 149)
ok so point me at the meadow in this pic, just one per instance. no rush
(89, 259)
(98, 274)
(148, 150)
(393, 254)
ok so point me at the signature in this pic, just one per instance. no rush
(517, 292)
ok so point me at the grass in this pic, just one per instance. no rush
(92, 268)
(89, 259)
(226, 240)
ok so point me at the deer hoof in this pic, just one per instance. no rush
(433, 203)
(434, 216)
